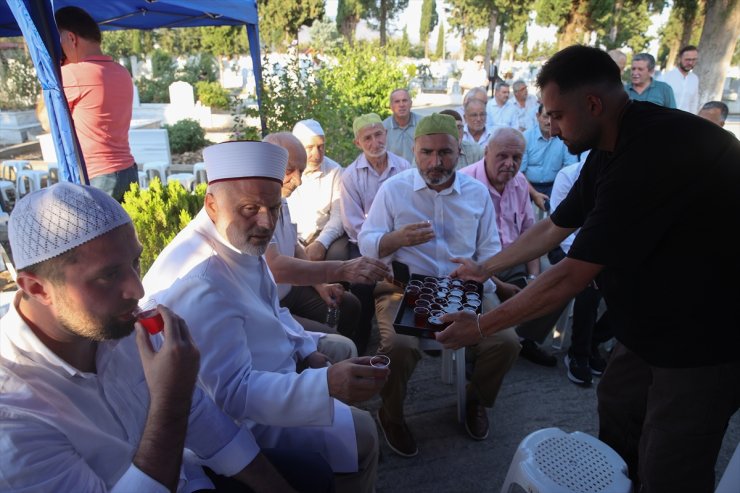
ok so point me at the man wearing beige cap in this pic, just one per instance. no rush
(360, 183)
(214, 274)
(423, 218)
(315, 205)
(85, 405)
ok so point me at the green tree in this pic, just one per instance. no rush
(379, 13)
(324, 35)
(439, 52)
(222, 41)
(349, 13)
(280, 20)
(719, 36)
(465, 17)
(429, 20)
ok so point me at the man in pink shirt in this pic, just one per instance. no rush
(99, 92)
(509, 190)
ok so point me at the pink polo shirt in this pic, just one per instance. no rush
(514, 213)
(100, 95)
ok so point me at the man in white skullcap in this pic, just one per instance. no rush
(314, 204)
(215, 276)
(82, 406)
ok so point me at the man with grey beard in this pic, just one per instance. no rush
(215, 276)
(423, 218)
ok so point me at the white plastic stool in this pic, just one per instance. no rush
(453, 362)
(53, 173)
(185, 179)
(158, 169)
(9, 169)
(143, 180)
(552, 461)
(34, 179)
(8, 195)
(199, 170)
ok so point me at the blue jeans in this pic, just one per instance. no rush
(117, 183)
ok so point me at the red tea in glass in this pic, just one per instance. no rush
(151, 320)
(420, 316)
(412, 294)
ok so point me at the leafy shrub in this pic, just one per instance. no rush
(202, 67)
(186, 135)
(212, 94)
(154, 90)
(20, 86)
(159, 213)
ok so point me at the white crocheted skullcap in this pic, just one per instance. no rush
(245, 159)
(306, 129)
(54, 220)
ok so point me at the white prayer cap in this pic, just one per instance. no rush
(245, 159)
(54, 220)
(305, 129)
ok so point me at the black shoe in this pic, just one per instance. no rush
(476, 420)
(579, 371)
(397, 436)
(597, 364)
(535, 354)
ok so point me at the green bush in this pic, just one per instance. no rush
(154, 90)
(20, 86)
(159, 213)
(212, 94)
(202, 67)
(186, 135)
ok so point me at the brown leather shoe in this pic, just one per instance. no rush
(397, 436)
(476, 420)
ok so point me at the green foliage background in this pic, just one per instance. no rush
(20, 87)
(186, 135)
(159, 213)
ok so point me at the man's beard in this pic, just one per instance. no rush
(240, 240)
(445, 175)
(94, 328)
(378, 153)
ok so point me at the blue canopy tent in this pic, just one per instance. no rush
(34, 20)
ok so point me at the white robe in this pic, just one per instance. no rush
(249, 345)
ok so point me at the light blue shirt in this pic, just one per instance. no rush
(400, 140)
(543, 158)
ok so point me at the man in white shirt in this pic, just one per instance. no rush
(311, 289)
(498, 110)
(314, 203)
(215, 275)
(683, 81)
(474, 75)
(81, 408)
(401, 125)
(523, 106)
(360, 183)
(423, 218)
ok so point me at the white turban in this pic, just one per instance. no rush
(245, 159)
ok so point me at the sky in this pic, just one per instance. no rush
(412, 17)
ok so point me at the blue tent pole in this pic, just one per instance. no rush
(253, 36)
(42, 12)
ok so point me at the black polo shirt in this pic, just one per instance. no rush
(660, 213)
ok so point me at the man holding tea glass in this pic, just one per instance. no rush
(215, 276)
(424, 217)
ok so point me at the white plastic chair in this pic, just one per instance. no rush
(453, 371)
(185, 179)
(199, 170)
(157, 168)
(9, 169)
(30, 180)
(552, 461)
(8, 195)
